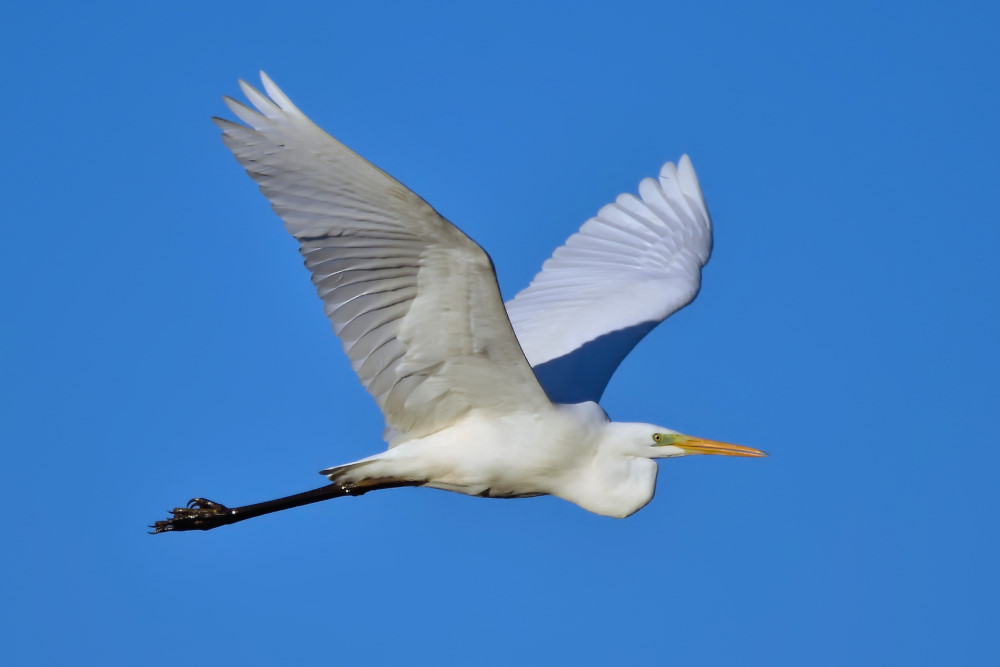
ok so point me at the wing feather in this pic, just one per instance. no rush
(413, 300)
(628, 268)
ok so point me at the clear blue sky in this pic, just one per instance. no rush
(161, 339)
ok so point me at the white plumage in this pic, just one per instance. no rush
(416, 306)
(650, 248)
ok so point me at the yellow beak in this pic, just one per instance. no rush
(693, 445)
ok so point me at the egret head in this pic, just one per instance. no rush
(663, 443)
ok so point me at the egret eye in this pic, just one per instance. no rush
(657, 437)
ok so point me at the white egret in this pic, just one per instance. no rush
(477, 398)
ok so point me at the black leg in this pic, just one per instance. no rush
(202, 514)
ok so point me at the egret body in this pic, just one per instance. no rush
(479, 397)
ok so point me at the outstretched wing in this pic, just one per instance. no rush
(627, 269)
(413, 300)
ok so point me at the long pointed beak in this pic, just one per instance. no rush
(693, 445)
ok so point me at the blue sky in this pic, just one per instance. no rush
(162, 340)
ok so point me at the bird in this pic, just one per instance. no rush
(479, 397)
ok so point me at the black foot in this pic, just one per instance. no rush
(199, 514)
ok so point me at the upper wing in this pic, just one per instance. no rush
(414, 300)
(623, 273)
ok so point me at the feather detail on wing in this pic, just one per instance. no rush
(413, 300)
(627, 269)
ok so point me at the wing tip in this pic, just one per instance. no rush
(685, 178)
(278, 96)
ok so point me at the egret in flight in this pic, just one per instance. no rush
(479, 397)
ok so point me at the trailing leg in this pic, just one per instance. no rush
(202, 514)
